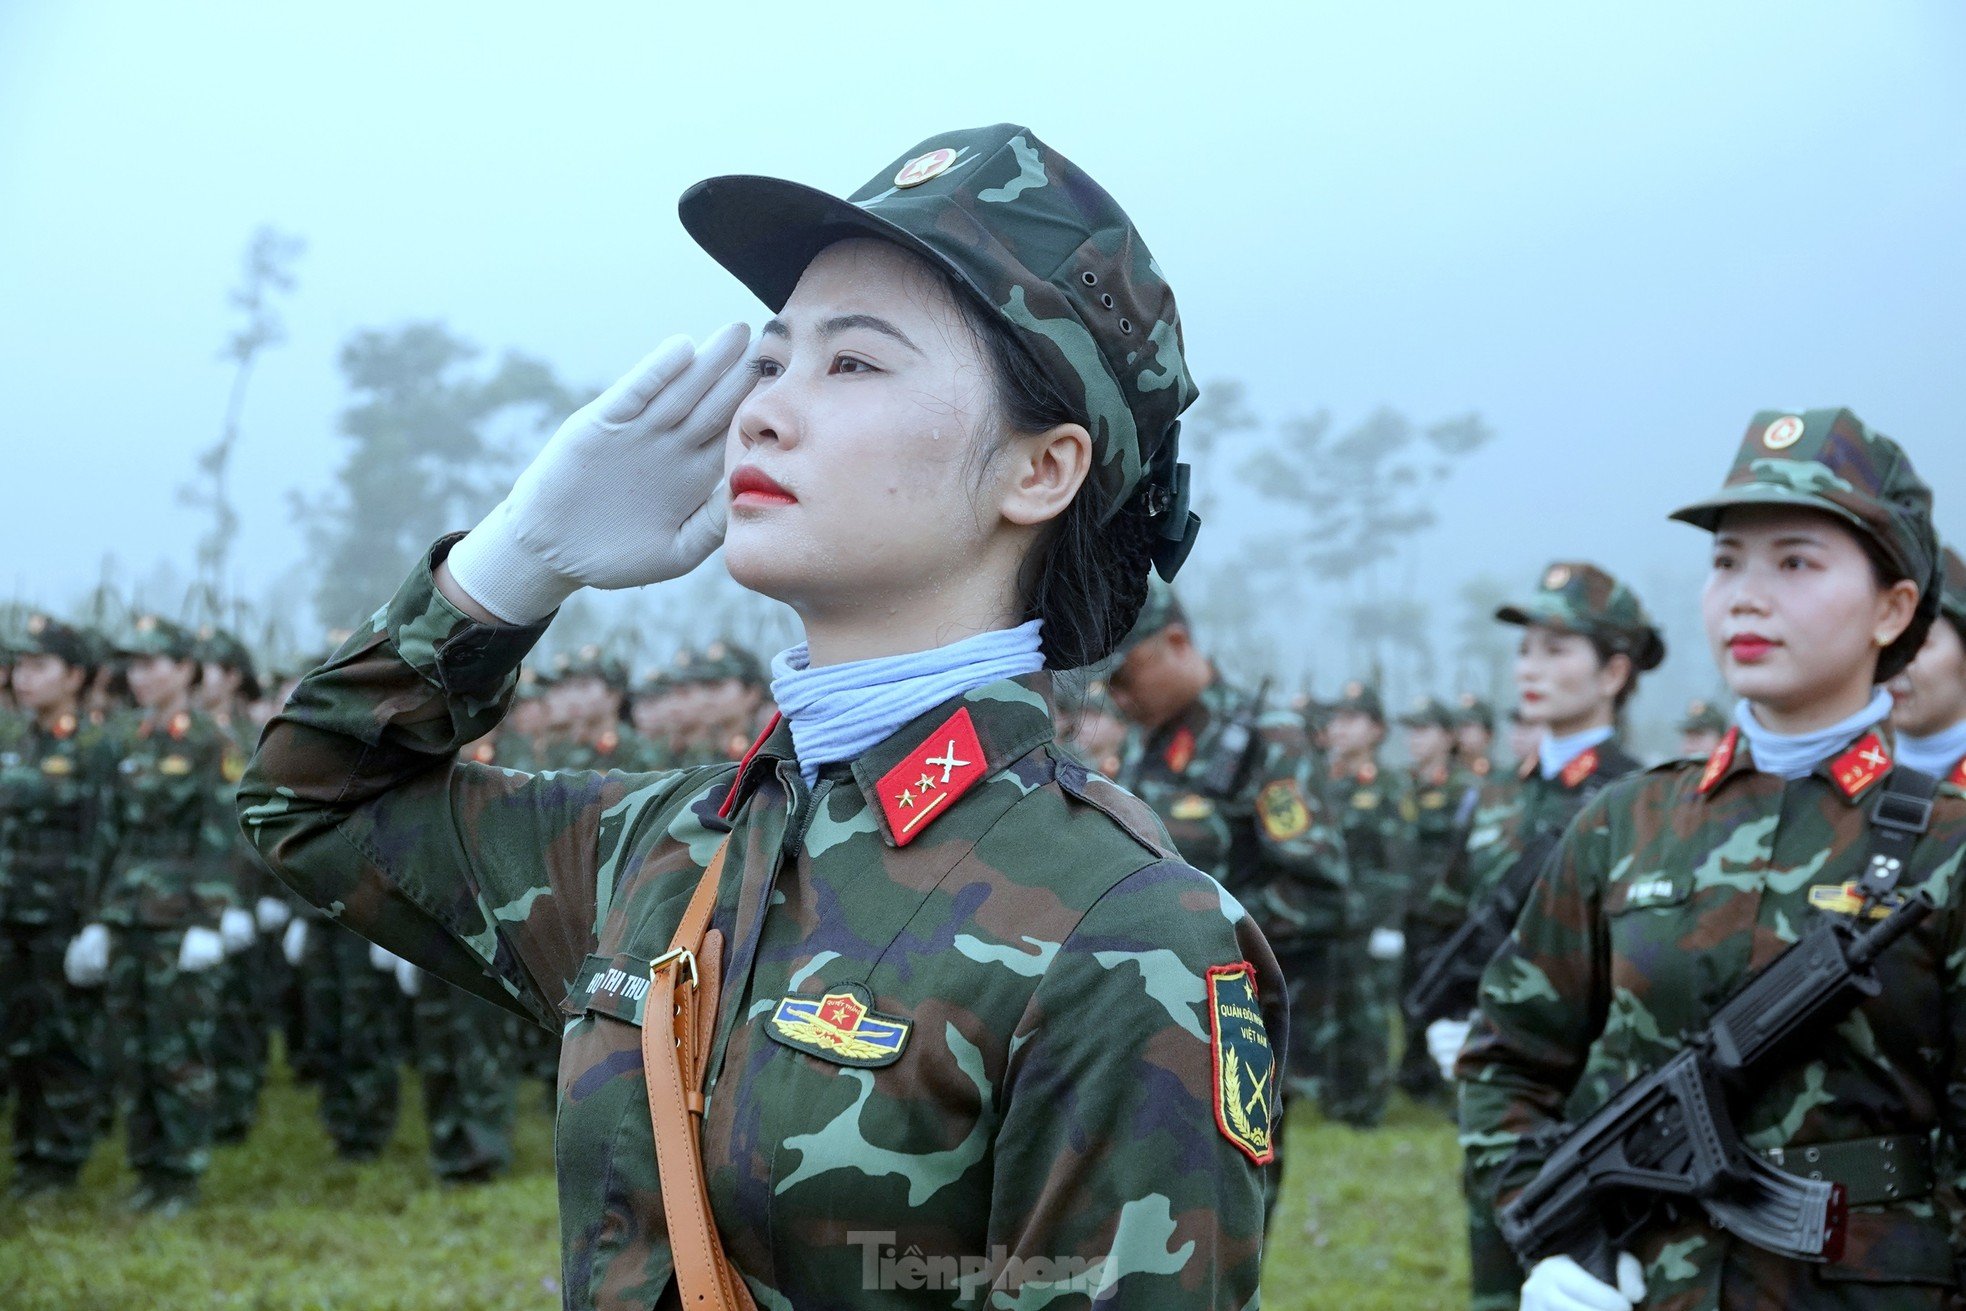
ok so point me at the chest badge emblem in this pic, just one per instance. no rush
(1842, 899)
(1281, 810)
(842, 1026)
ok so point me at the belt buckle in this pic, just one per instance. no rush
(683, 954)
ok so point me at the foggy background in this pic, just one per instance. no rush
(1535, 265)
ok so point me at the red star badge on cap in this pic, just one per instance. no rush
(929, 779)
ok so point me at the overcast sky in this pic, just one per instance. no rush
(1616, 231)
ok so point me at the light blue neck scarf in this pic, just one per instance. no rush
(1937, 755)
(1554, 754)
(838, 712)
(1796, 756)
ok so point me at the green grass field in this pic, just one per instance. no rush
(1370, 1222)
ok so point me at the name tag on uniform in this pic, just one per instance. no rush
(616, 986)
(1652, 892)
(842, 1026)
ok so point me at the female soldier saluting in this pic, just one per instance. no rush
(1673, 888)
(952, 1018)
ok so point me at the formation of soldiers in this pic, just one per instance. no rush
(147, 958)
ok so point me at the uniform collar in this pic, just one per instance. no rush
(1005, 720)
(1851, 773)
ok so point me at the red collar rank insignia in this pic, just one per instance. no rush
(1722, 757)
(1180, 752)
(1958, 776)
(1245, 1067)
(1860, 766)
(841, 1026)
(1579, 769)
(916, 792)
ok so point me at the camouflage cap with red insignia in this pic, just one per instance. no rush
(1361, 698)
(1042, 246)
(1830, 460)
(153, 634)
(1428, 711)
(1471, 709)
(1159, 612)
(1575, 596)
(1952, 592)
(43, 634)
(218, 647)
(589, 660)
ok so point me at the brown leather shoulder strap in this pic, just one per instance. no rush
(685, 980)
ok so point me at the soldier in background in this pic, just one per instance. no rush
(1444, 796)
(1586, 640)
(157, 942)
(248, 988)
(733, 698)
(652, 712)
(1377, 818)
(57, 771)
(1700, 729)
(1474, 735)
(1525, 739)
(1930, 709)
(1236, 788)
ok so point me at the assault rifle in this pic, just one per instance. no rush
(1228, 762)
(1449, 983)
(1669, 1134)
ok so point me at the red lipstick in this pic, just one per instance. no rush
(750, 485)
(1750, 648)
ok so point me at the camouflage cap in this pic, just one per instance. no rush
(1704, 716)
(1361, 698)
(155, 635)
(1830, 460)
(218, 647)
(43, 634)
(1428, 710)
(589, 660)
(1046, 250)
(721, 660)
(657, 683)
(1952, 592)
(1471, 709)
(1575, 596)
(1160, 611)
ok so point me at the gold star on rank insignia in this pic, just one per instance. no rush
(907, 797)
(926, 784)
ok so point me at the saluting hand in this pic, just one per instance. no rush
(627, 492)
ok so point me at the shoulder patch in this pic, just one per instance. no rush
(1245, 1067)
(1281, 810)
(840, 1026)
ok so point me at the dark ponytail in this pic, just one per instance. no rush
(1086, 579)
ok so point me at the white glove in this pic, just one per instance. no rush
(1386, 944)
(271, 913)
(409, 979)
(627, 492)
(294, 944)
(202, 949)
(236, 927)
(86, 962)
(383, 959)
(1445, 1038)
(1559, 1284)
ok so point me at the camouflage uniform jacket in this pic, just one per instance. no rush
(1510, 814)
(1271, 842)
(1668, 892)
(1438, 797)
(175, 863)
(56, 830)
(1377, 818)
(1069, 1001)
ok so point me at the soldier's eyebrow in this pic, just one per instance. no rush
(845, 323)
